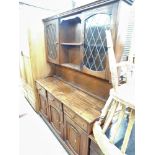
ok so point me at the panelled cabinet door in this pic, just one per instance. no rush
(75, 137)
(44, 106)
(94, 50)
(52, 40)
(56, 119)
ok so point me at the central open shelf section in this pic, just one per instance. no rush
(70, 41)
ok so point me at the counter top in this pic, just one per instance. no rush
(83, 104)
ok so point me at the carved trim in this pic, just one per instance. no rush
(85, 7)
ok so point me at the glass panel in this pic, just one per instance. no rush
(51, 40)
(95, 45)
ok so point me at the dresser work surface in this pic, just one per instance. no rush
(84, 105)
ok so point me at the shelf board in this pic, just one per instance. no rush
(72, 66)
(71, 44)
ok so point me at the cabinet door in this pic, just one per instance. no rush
(94, 51)
(56, 119)
(75, 137)
(43, 106)
(52, 41)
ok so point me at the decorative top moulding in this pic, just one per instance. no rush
(86, 7)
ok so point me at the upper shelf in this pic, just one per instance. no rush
(72, 66)
(70, 21)
(71, 44)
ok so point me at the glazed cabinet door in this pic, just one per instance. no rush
(52, 40)
(94, 49)
(75, 137)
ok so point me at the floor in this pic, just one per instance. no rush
(35, 137)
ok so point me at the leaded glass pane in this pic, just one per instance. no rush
(51, 40)
(95, 45)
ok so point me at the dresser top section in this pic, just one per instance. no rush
(84, 105)
(86, 7)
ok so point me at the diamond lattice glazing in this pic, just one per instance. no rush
(51, 40)
(95, 45)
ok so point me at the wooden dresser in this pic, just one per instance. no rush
(69, 112)
(72, 97)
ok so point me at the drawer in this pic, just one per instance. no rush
(38, 86)
(50, 97)
(54, 102)
(69, 112)
(42, 91)
(78, 120)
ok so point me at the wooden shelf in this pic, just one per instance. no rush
(71, 44)
(72, 66)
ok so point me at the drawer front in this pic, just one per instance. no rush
(54, 102)
(78, 120)
(38, 86)
(42, 92)
(69, 112)
(50, 97)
